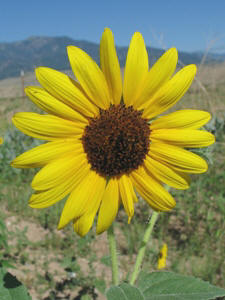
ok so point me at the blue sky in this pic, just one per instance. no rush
(188, 25)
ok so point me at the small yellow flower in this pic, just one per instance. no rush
(1, 140)
(102, 141)
(162, 257)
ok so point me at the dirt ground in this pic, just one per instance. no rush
(29, 234)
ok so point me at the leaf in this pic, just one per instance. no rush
(124, 291)
(11, 288)
(171, 286)
(6, 264)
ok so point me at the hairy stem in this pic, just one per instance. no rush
(142, 249)
(114, 260)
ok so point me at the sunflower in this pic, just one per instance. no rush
(162, 257)
(104, 142)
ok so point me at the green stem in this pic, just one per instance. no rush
(141, 251)
(112, 248)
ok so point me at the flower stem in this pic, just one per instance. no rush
(141, 251)
(112, 248)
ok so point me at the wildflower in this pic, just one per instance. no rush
(102, 144)
(1, 140)
(162, 257)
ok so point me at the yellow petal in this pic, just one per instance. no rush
(42, 199)
(1, 140)
(67, 90)
(110, 66)
(165, 174)
(160, 73)
(90, 76)
(109, 206)
(182, 119)
(47, 127)
(53, 106)
(127, 195)
(57, 171)
(179, 158)
(162, 257)
(170, 92)
(136, 69)
(83, 224)
(45, 153)
(152, 191)
(84, 199)
(183, 137)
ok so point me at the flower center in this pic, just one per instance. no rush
(117, 141)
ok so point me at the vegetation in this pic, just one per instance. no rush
(60, 265)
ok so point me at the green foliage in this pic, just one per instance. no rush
(158, 285)
(106, 260)
(11, 288)
(15, 143)
(70, 265)
(165, 285)
(3, 235)
(86, 297)
(124, 292)
(217, 127)
(4, 247)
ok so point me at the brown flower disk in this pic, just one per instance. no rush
(117, 141)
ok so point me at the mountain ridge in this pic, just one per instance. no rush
(51, 52)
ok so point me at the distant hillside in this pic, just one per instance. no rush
(51, 51)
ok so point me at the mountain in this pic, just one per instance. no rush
(51, 52)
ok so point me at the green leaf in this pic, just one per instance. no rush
(124, 291)
(6, 264)
(171, 286)
(11, 288)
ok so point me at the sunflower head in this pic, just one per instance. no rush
(162, 257)
(103, 145)
(117, 141)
